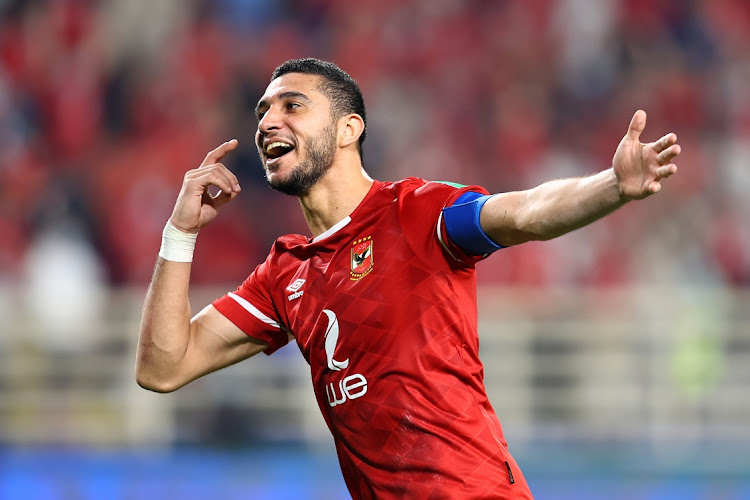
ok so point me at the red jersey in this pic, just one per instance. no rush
(383, 308)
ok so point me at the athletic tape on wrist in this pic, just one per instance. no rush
(177, 246)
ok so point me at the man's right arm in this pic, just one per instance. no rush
(174, 349)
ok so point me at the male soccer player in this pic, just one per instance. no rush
(381, 299)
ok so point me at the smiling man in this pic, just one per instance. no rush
(278, 145)
(381, 297)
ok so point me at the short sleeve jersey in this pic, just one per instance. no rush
(383, 307)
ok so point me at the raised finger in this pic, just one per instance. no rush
(222, 198)
(217, 154)
(669, 154)
(215, 177)
(222, 171)
(665, 142)
(637, 124)
(654, 187)
(666, 171)
(229, 175)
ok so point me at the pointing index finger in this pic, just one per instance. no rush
(217, 154)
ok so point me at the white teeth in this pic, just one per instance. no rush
(276, 145)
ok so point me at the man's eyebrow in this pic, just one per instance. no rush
(291, 94)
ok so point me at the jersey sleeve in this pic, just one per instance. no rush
(251, 309)
(422, 214)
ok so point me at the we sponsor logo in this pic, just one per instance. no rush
(350, 387)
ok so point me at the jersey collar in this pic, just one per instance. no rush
(346, 220)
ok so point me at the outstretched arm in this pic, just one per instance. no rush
(560, 206)
(172, 348)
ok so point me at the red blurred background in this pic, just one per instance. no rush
(104, 106)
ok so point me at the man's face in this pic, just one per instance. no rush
(296, 136)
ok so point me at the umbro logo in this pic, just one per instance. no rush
(294, 287)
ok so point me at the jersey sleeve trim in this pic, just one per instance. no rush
(252, 321)
(441, 240)
(451, 251)
(247, 306)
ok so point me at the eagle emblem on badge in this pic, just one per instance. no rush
(362, 258)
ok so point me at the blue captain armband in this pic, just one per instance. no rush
(463, 227)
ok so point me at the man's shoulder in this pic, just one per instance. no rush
(284, 247)
(415, 189)
(423, 187)
(288, 242)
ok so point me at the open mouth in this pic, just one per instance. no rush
(277, 149)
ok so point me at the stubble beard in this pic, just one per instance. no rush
(318, 160)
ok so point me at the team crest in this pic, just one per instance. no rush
(362, 259)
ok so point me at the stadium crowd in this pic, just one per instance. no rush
(105, 105)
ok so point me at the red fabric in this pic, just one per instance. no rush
(255, 290)
(404, 324)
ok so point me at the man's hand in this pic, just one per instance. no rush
(195, 207)
(640, 168)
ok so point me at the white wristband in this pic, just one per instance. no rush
(176, 245)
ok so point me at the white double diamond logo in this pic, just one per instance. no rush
(296, 285)
(295, 289)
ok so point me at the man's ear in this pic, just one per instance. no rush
(351, 127)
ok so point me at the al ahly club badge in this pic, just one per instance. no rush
(362, 259)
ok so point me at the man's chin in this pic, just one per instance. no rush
(288, 186)
(296, 180)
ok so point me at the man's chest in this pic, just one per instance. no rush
(345, 285)
(359, 286)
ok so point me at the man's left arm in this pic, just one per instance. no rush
(560, 206)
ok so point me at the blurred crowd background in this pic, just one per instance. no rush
(104, 105)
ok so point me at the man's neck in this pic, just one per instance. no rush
(334, 197)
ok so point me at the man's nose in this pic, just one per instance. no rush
(272, 120)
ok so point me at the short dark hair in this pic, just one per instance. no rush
(338, 86)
